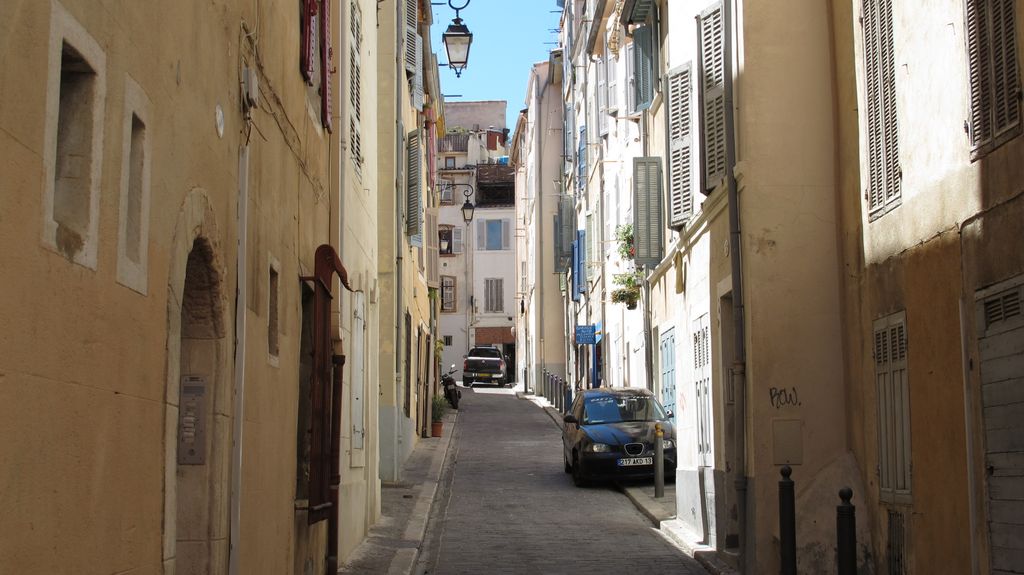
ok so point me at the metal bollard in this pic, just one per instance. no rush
(561, 397)
(659, 461)
(846, 533)
(787, 523)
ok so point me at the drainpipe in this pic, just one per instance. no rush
(538, 194)
(738, 375)
(238, 407)
(399, 70)
(648, 352)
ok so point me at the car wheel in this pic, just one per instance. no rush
(577, 471)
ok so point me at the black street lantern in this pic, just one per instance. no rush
(467, 210)
(457, 39)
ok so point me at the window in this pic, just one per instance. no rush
(133, 215)
(602, 97)
(882, 127)
(644, 67)
(444, 240)
(447, 293)
(446, 190)
(449, 162)
(448, 340)
(992, 63)
(73, 141)
(355, 88)
(680, 177)
(711, 41)
(893, 416)
(494, 300)
(493, 235)
(612, 79)
(702, 382)
(273, 346)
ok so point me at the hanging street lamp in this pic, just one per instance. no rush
(457, 39)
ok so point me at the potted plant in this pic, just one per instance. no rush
(629, 292)
(624, 238)
(437, 409)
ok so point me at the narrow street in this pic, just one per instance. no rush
(505, 505)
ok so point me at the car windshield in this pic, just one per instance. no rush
(485, 352)
(620, 409)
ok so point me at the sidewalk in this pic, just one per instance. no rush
(392, 546)
(661, 511)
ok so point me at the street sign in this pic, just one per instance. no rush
(586, 334)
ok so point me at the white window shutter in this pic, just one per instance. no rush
(882, 126)
(456, 240)
(417, 76)
(612, 77)
(358, 369)
(680, 147)
(481, 234)
(712, 64)
(411, 32)
(893, 405)
(630, 79)
(602, 98)
(647, 226)
(506, 234)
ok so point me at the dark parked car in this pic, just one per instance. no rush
(484, 364)
(609, 434)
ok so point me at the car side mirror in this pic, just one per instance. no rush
(668, 414)
(570, 418)
(453, 366)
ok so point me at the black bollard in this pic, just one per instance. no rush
(787, 523)
(846, 533)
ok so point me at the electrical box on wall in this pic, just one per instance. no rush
(250, 88)
(192, 421)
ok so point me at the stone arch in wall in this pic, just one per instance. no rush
(197, 404)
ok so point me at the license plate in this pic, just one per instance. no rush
(496, 375)
(636, 461)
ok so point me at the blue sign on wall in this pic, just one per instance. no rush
(586, 334)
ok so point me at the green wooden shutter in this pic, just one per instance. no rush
(712, 86)
(680, 147)
(414, 212)
(643, 68)
(647, 227)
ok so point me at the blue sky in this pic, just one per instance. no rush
(509, 36)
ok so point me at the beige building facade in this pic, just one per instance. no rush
(189, 190)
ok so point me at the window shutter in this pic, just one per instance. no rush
(590, 237)
(581, 160)
(979, 66)
(433, 251)
(602, 98)
(712, 86)
(581, 240)
(643, 68)
(326, 65)
(567, 228)
(894, 457)
(630, 78)
(414, 213)
(612, 76)
(575, 271)
(309, 9)
(411, 29)
(417, 76)
(647, 226)
(1006, 99)
(506, 235)
(446, 192)
(456, 240)
(481, 234)
(680, 147)
(880, 81)
(556, 233)
(992, 64)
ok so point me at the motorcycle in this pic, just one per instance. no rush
(451, 392)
